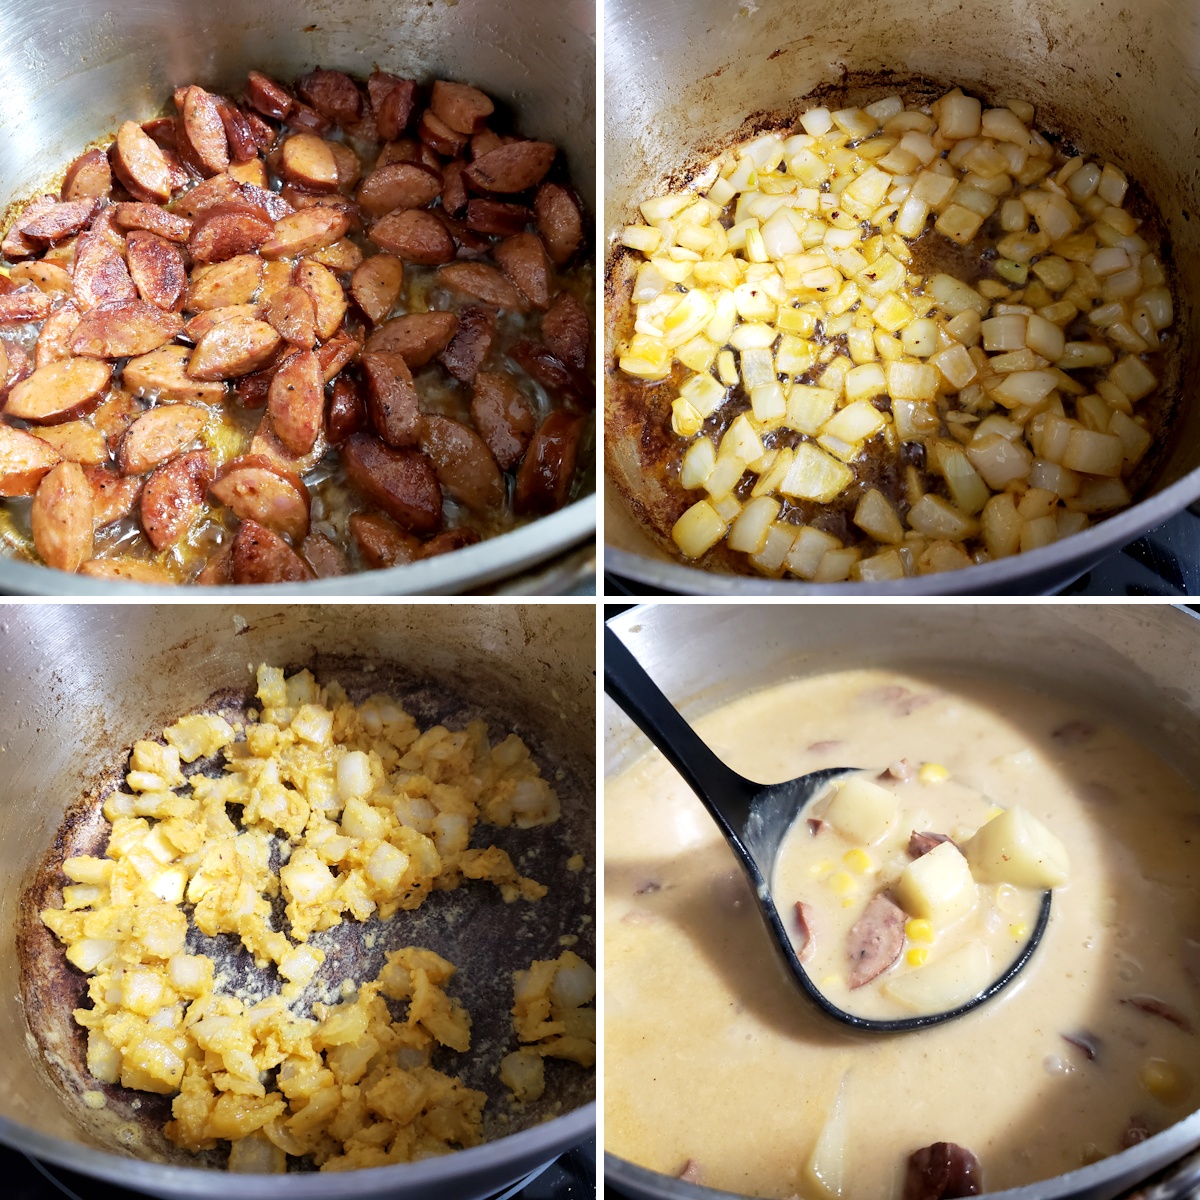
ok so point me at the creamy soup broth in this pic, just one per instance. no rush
(717, 1064)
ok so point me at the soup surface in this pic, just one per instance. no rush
(717, 1067)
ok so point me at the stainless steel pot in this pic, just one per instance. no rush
(84, 681)
(1140, 664)
(72, 70)
(1124, 81)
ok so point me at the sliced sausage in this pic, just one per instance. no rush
(59, 391)
(113, 494)
(158, 435)
(465, 467)
(398, 185)
(61, 517)
(257, 489)
(1155, 1007)
(560, 220)
(239, 132)
(296, 402)
(401, 482)
(393, 101)
(942, 1171)
(503, 417)
(233, 348)
(266, 444)
(253, 389)
(391, 398)
(114, 414)
(308, 160)
(545, 474)
(347, 412)
(465, 109)
(329, 301)
(29, 304)
(349, 169)
(333, 94)
(876, 940)
(293, 315)
(76, 441)
(381, 542)
(471, 343)
(234, 282)
(511, 168)
(120, 330)
(252, 173)
(140, 164)
(341, 349)
(342, 256)
(54, 340)
(204, 131)
(220, 189)
(496, 217)
(567, 331)
(307, 119)
(326, 559)
(920, 844)
(260, 555)
(414, 235)
(157, 269)
(483, 282)
(437, 135)
(88, 175)
(172, 497)
(522, 258)
(484, 142)
(61, 221)
(136, 215)
(225, 230)
(805, 923)
(376, 285)
(45, 276)
(15, 244)
(268, 97)
(449, 540)
(305, 231)
(416, 337)
(100, 272)
(24, 461)
(550, 372)
(126, 570)
(454, 191)
(202, 322)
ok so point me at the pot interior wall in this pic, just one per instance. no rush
(1123, 82)
(100, 677)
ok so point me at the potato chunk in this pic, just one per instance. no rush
(946, 982)
(1017, 848)
(938, 886)
(862, 810)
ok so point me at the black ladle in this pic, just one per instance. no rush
(754, 819)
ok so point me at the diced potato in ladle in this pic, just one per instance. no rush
(1017, 848)
(938, 886)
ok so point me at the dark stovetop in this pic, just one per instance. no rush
(572, 1176)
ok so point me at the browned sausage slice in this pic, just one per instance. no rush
(305, 231)
(158, 435)
(24, 460)
(173, 495)
(29, 304)
(120, 330)
(126, 570)
(308, 160)
(268, 97)
(45, 276)
(292, 313)
(223, 231)
(257, 489)
(100, 272)
(88, 175)
(341, 349)
(393, 101)
(333, 94)
(511, 168)
(76, 441)
(391, 398)
(61, 221)
(113, 495)
(347, 412)
(550, 372)
(496, 217)
(416, 337)
(60, 391)
(401, 482)
(523, 259)
(454, 191)
(483, 282)
(136, 215)
(349, 169)
(220, 189)
(164, 371)
(260, 555)
(464, 465)
(398, 185)
(239, 131)
(329, 301)
(157, 269)
(54, 340)
(139, 163)
(545, 475)
(381, 542)
(876, 940)
(204, 131)
(805, 923)
(326, 559)
(449, 540)
(503, 417)
(202, 322)
(463, 108)
(437, 135)
(376, 285)
(920, 844)
(233, 348)
(471, 344)
(567, 331)
(15, 244)
(560, 220)
(61, 517)
(296, 402)
(941, 1171)
(414, 235)
(225, 284)
(308, 119)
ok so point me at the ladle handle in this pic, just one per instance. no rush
(725, 793)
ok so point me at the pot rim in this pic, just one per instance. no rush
(486, 562)
(541, 1142)
(1086, 548)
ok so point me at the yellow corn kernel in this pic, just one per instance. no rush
(1019, 930)
(857, 860)
(933, 773)
(830, 981)
(918, 930)
(842, 883)
(1164, 1081)
(917, 956)
(822, 868)
(848, 902)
